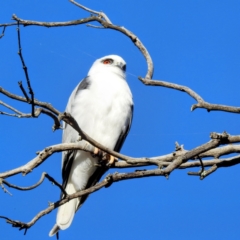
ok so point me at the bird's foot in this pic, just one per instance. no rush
(96, 152)
(105, 158)
(110, 159)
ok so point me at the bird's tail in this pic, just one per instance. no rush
(66, 212)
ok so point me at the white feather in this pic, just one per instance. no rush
(101, 111)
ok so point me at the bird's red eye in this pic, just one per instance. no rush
(107, 61)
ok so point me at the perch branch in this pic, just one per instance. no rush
(116, 177)
(175, 159)
(225, 162)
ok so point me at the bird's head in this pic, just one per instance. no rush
(111, 63)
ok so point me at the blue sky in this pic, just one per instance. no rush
(192, 43)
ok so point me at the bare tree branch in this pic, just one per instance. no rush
(225, 162)
(37, 112)
(25, 226)
(45, 154)
(177, 159)
(100, 14)
(116, 177)
(106, 23)
(36, 102)
(25, 71)
(200, 102)
(24, 91)
(3, 31)
(43, 176)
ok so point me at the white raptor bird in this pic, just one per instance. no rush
(102, 105)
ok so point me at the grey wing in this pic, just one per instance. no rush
(69, 134)
(125, 132)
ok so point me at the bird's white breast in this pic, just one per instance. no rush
(101, 111)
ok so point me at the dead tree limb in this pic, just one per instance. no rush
(200, 101)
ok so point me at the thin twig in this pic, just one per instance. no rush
(8, 24)
(199, 173)
(26, 72)
(37, 112)
(3, 31)
(22, 99)
(24, 91)
(94, 26)
(51, 179)
(3, 188)
(10, 107)
(101, 14)
(43, 176)
(9, 114)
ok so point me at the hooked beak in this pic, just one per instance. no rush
(121, 66)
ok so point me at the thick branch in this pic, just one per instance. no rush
(116, 177)
(224, 162)
(176, 159)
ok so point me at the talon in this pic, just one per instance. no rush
(104, 157)
(111, 159)
(96, 151)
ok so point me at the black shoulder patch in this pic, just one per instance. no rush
(84, 84)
